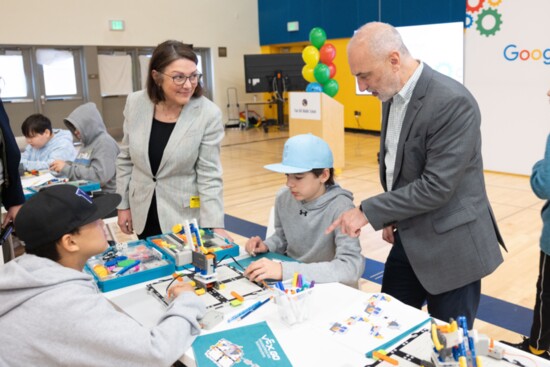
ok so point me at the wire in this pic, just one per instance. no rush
(178, 276)
(235, 260)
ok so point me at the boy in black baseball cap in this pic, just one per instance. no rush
(54, 312)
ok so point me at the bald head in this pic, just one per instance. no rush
(379, 40)
(380, 60)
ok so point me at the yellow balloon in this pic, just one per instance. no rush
(307, 73)
(310, 55)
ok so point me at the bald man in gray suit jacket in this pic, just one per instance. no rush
(435, 210)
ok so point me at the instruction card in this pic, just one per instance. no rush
(374, 322)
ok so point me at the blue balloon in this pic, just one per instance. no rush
(314, 87)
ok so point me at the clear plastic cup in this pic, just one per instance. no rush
(293, 304)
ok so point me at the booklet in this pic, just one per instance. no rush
(251, 346)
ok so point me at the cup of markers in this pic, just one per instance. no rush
(293, 298)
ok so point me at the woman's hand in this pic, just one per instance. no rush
(125, 221)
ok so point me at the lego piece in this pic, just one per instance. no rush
(237, 296)
(381, 354)
(200, 291)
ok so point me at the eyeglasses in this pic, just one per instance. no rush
(182, 79)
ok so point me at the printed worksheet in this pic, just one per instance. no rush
(374, 322)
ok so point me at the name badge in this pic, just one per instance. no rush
(195, 202)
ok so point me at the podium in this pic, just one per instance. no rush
(321, 115)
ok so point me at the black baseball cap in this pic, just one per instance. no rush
(58, 210)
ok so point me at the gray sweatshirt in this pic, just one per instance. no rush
(300, 234)
(96, 160)
(51, 315)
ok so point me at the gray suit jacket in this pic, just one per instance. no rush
(438, 201)
(190, 166)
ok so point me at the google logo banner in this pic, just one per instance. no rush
(513, 53)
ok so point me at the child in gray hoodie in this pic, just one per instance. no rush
(52, 314)
(310, 202)
(96, 160)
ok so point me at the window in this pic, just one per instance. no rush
(61, 73)
(58, 71)
(14, 84)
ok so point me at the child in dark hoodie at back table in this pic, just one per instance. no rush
(303, 209)
(96, 160)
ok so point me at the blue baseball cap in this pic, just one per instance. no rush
(303, 153)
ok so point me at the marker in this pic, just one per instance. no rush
(254, 308)
(238, 315)
(246, 311)
(127, 267)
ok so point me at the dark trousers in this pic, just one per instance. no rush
(401, 282)
(152, 225)
(540, 330)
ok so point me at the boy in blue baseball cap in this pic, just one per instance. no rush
(310, 201)
(52, 313)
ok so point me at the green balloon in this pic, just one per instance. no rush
(317, 37)
(321, 73)
(331, 87)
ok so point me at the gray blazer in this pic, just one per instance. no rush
(190, 166)
(438, 201)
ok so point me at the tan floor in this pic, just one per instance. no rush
(249, 192)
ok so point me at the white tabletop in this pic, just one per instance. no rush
(304, 343)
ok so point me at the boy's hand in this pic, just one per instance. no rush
(264, 269)
(178, 288)
(57, 165)
(255, 245)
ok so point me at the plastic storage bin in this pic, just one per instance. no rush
(133, 263)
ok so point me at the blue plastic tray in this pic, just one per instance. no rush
(127, 279)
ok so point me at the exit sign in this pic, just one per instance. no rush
(116, 25)
(293, 26)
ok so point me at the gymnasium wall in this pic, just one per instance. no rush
(340, 19)
(204, 23)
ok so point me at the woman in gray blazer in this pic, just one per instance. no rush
(169, 168)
